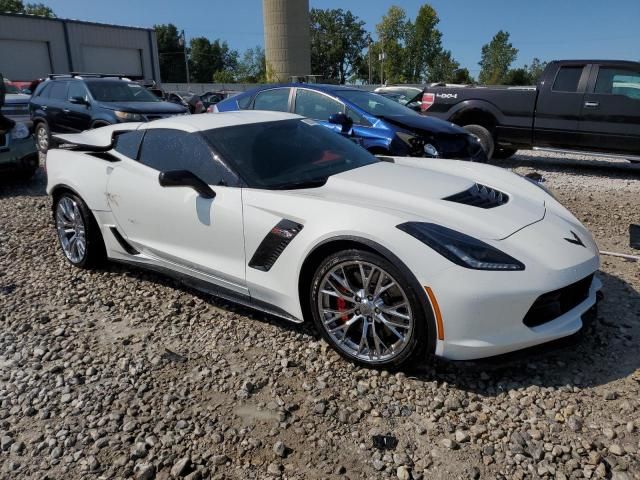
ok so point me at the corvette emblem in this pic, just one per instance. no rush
(575, 240)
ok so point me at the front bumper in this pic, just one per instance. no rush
(483, 312)
(18, 154)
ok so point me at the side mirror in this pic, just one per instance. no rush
(78, 100)
(343, 120)
(185, 178)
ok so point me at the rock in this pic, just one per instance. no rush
(403, 473)
(181, 467)
(616, 449)
(462, 436)
(448, 443)
(219, 459)
(274, 468)
(279, 449)
(5, 442)
(145, 471)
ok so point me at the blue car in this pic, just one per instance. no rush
(379, 124)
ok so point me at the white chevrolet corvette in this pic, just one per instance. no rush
(392, 259)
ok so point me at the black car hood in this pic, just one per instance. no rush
(144, 107)
(423, 124)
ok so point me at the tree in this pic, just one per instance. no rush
(444, 68)
(253, 66)
(171, 52)
(535, 70)
(18, 6)
(392, 32)
(210, 59)
(462, 76)
(337, 41)
(497, 57)
(423, 45)
(517, 76)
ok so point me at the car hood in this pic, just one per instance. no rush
(423, 124)
(145, 107)
(417, 192)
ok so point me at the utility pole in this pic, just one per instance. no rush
(370, 79)
(382, 56)
(183, 39)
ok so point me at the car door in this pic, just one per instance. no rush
(175, 226)
(76, 116)
(317, 106)
(55, 105)
(274, 99)
(559, 106)
(610, 119)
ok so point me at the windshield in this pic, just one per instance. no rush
(11, 88)
(120, 91)
(287, 154)
(375, 104)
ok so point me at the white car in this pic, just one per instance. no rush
(392, 259)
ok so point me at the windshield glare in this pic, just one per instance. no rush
(120, 91)
(286, 154)
(375, 104)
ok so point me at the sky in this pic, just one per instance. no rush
(547, 29)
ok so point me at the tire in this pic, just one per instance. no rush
(412, 338)
(43, 137)
(485, 137)
(504, 153)
(71, 213)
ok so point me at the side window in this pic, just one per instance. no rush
(316, 105)
(244, 102)
(276, 99)
(357, 118)
(617, 81)
(167, 149)
(58, 90)
(128, 144)
(44, 91)
(77, 89)
(567, 79)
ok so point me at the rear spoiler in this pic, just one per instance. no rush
(98, 140)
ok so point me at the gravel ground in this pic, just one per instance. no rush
(122, 373)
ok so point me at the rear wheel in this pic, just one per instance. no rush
(43, 137)
(368, 311)
(484, 136)
(78, 232)
(504, 153)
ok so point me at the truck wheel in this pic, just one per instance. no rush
(485, 137)
(504, 153)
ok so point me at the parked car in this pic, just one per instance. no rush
(405, 95)
(391, 259)
(578, 105)
(212, 98)
(16, 105)
(73, 103)
(379, 124)
(18, 154)
(188, 100)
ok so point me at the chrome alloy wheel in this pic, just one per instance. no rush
(365, 311)
(43, 139)
(71, 230)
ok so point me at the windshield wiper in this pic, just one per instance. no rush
(316, 182)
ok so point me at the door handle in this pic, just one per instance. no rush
(66, 110)
(592, 104)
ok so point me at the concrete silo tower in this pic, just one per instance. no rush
(286, 39)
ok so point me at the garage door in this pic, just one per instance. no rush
(126, 61)
(24, 59)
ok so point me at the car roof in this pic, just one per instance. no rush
(208, 121)
(322, 87)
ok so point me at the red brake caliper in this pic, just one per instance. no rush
(342, 306)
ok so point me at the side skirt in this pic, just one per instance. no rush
(215, 290)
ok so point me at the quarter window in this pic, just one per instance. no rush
(128, 144)
(316, 105)
(567, 79)
(276, 99)
(618, 81)
(167, 149)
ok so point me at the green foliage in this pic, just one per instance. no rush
(424, 47)
(253, 66)
(462, 76)
(535, 70)
(171, 53)
(497, 57)
(528, 75)
(18, 6)
(209, 60)
(393, 31)
(444, 68)
(337, 41)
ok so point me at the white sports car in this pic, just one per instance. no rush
(391, 258)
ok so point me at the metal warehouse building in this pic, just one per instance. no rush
(32, 47)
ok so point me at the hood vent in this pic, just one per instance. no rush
(480, 196)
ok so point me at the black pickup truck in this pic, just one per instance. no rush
(578, 105)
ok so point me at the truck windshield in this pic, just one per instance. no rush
(375, 104)
(120, 91)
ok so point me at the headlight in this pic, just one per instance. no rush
(539, 185)
(20, 131)
(129, 117)
(461, 249)
(431, 150)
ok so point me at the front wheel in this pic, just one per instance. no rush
(484, 136)
(368, 310)
(78, 232)
(43, 137)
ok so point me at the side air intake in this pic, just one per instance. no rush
(480, 196)
(274, 244)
